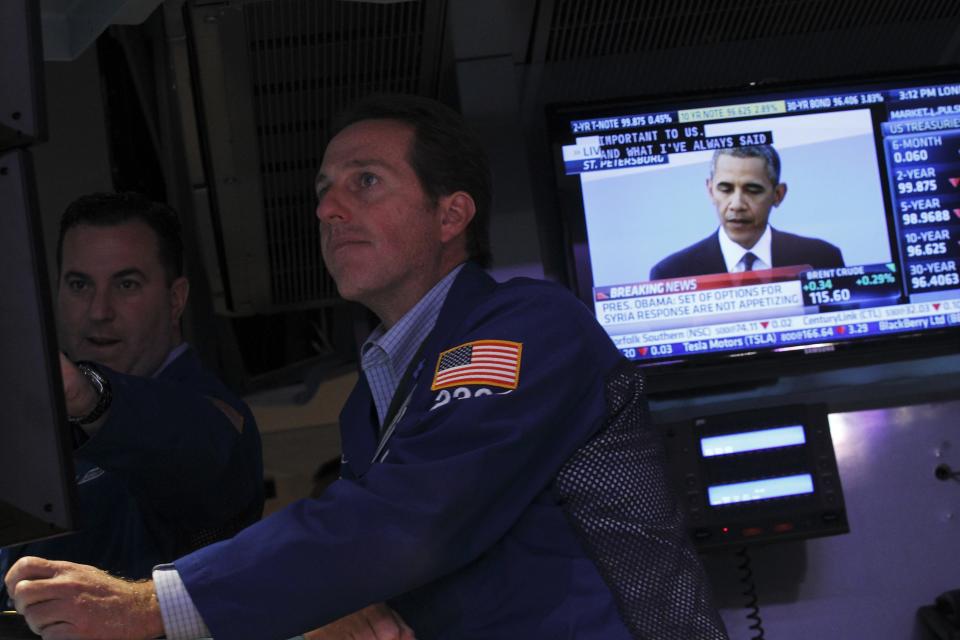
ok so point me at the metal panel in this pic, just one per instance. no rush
(587, 28)
(39, 496)
(232, 170)
(590, 50)
(900, 552)
(23, 117)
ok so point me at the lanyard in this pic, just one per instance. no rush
(381, 453)
(398, 405)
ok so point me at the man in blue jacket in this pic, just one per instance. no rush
(167, 459)
(499, 478)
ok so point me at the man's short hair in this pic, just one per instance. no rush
(112, 209)
(765, 152)
(446, 155)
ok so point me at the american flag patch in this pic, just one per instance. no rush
(491, 362)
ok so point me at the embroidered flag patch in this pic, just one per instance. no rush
(491, 362)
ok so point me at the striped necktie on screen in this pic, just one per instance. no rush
(748, 259)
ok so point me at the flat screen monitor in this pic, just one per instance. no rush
(859, 254)
(22, 114)
(37, 488)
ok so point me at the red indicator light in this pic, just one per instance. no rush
(725, 529)
(783, 527)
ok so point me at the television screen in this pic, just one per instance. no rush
(803, 219)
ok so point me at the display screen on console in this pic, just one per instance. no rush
(733, 443)
(765, 489)
(848, 197)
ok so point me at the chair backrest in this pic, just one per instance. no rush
(617, 494)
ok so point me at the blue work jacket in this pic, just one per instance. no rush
(455, 519)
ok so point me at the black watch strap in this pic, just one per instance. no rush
(101, 385)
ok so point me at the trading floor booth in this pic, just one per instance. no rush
(809, 405)
(807, 396)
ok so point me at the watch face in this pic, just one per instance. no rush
(92, 375)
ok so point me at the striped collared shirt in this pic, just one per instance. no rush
(386, 354)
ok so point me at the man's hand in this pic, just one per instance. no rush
(376, 622)
(63, 600)
(79, 394)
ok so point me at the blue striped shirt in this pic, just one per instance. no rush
(386, 354)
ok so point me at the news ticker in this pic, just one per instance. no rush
(782, 291)
(752, 109)
(789, 330)
(769, 308)
(654, 146)
(931, 96)
(635, 140)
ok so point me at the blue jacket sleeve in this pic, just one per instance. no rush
(457, 477)
(181, 454)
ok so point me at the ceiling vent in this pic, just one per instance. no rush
(269, 76)
(601, 49)
(587, 28)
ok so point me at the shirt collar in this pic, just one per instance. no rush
(400, 343)
(173, 355)
(733, 253)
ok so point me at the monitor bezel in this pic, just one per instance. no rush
(721, 369)
(38, 493)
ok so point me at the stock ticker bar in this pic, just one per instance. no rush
(924, 173)
(790, 331)
(782, 307)
(634, 140)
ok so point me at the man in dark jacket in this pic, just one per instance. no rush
(166, 458)
(499, 476)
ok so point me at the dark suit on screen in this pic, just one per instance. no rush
(787, 249)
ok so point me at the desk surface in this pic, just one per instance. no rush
(14, 627)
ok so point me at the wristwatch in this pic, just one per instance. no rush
(104, 394)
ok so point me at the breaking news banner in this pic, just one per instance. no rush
(710, 299)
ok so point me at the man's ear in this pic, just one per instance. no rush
(456, 212)
(779, 193)
(179, 292)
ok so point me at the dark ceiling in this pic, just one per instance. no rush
(259, 80)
